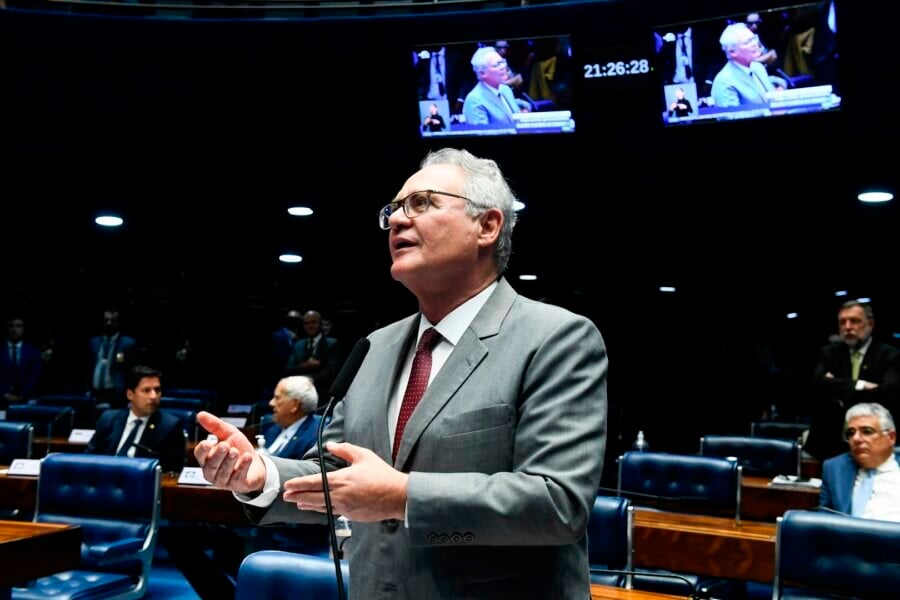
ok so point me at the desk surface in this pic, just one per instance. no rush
(605, 592)
(31, 550)
(762, 502)
(711, 546)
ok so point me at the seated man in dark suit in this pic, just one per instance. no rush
(141, 429)
(855, 368)
(295, 429)
(865, 481)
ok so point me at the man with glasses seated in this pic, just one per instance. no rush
(865, 482)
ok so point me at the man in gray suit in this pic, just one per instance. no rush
(486, 490)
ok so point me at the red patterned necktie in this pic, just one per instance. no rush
(418, 381)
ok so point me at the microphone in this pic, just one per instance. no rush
(678, 503)
(146, 449)
(66, 412)
(702, 594)
(337, 392)
(832, 511)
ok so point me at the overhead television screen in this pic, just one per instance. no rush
(509, 86)
(759, 64)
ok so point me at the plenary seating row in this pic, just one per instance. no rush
(780, 430)
(116, 502)
(58, 421)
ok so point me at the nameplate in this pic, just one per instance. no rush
(25, 466)
(192, 476)
(81, 436)
(239, 409)
(238, 422)
(2, 415)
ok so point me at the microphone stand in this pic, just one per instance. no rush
(332, 536)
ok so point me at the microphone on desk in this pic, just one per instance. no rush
(146, 449)
(701, 594)
(666, 501)
(337, 392)
(50, 424)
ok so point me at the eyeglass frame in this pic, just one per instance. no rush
(404, 203)
(865, 431)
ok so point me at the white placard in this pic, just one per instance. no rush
(25, 466)
(2, 415)
(192, 476)
(239, 409)
(238, 422)
(81, 436)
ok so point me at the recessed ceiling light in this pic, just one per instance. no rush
(300, 211)
(527, 277)
(667, 288)
(109, 221)
(290, 258)
(875, 197)
(518, 205)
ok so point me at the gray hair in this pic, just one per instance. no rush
(302, 389)
(486, 188)
(867, 308)
(479, 59)
(871, 409)
(730, 36)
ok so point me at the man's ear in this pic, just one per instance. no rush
(491, 222)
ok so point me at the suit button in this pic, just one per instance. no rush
(444, 538)
(432, 538)
(391, 524)
(468, 537)
(456, 538)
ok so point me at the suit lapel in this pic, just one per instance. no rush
(118, 427)
(466, 356)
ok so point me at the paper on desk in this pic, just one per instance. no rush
(793, 480)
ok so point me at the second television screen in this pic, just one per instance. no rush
(495, 87)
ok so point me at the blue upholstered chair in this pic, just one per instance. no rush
(681, 483)
(207, 395)
(53, 421)
(115, 501)
(755, 455)
(188, 420)
(780, 430)
(15, 441)
(827, 556)
(609, 540)
(195, 404)
(277, 575)
(83, 405)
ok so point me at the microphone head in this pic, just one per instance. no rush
(348, 371)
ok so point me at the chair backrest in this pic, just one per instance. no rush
(757, 456)
(279, 575)
(114, 499)
(195, 404)
(53, 420)
(782, 430)
(609, 539)
(701, 484)
(837, 554)
(15, 441)
(83, 405)
(188, 420)
(207, 395)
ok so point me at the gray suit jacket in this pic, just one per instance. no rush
(504, 452)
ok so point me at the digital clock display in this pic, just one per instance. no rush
(616, 68)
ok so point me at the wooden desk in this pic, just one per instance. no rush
(605, 592)
(31, 550)
(712, 546)
(179, 502)
(761, 502)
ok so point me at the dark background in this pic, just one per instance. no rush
(201, 132)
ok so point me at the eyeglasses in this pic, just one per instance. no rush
(413, 206)
(865, 432)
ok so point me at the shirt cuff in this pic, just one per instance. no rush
(270, 490)
(860, 385)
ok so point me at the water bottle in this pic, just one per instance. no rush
(342, 531)
(640, 444)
